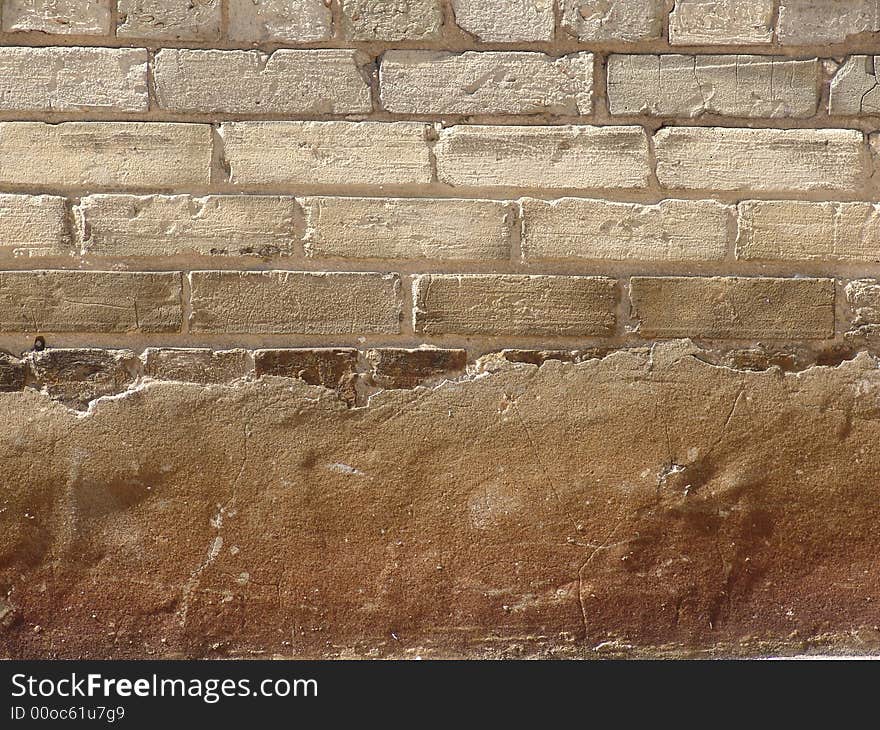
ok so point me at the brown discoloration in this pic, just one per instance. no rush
(400, 368)
(330, 368)
(640, 501)
(76, 377)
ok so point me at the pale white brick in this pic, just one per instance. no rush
(395, 20)
(178, 20)
(811, 22)
(621, 20)
(506, 21)
(721, 22)
(258, 21)
(57, 17)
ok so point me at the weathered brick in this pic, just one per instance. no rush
(104, 154)
(291, 302)
(407, 228)
(733, 307)
(425, 82)
(621, 20)
(13, 373)
(250, 82)
(514, 305)
(176, 20)
(854, 88)
(57, 17)
(33, 225)
(759, 159)
(89, 301)
(812, 22)
(189, 365)
(808, 231)
(539, 357)
(543, 157)
(327, 153)
(168, 225)
(721, 22)
(863, 300)
(71, 79)
(380, 20)
(259, 21)
(333, 368)
(400, 368)
(736, 85)
(507, 21)
(672, 230)
(77, 376)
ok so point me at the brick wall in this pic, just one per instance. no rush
(459, 174)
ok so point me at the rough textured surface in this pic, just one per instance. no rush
(257, 21)
(191, 365)
(57, 17)
(826, 21)
(737, 159)
(734, 85)
(332, 368)
(166, 225)
(548, 157)
(33, 225)
(672, 230)
(294, 302)
(622, 20)
(486, 83)
(406, 228)
(395, 368)
(518, 306)
(366, 20)
(77, 377)
(175, 20)
(507, 21)
(724, 22)
(250, 82)
(854, 87)
(714, 536)
(778, 309)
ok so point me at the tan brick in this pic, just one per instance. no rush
(734, 307)
(506, 21)
(425, 82)
(820, 22)
(854, 88)
(672, 230)
(169, 225)
(188, 365)
(33, 225)
(769, 160)
(77, 376)
(104, 154)
(621, 20)
(327, 153)
(251, 82)
(259, 21)
(514, 305)
(333, 368)
(808, 231)
(543, 157)
(721, 22)
(863, 300)
(381, 20)
(407, 228)
(399, 368)
(290, 302)
(735, 85)
(176, 20)
(71, 79)
(57, 17)
(89, 301)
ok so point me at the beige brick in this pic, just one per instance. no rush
(176, 20)
(793, 230)
(104, 154)
(57, 17)
(169, 225)
(854, 88)
(89, 301)
(327, 153)
(251, 82)
(408, 228)
(424, 82)
(391, 20)
(400, 368)
(72, 79)
(672, 230)
(290, 302)
(736, 85)
(33, 225)
(514, 306)
(196, 365)
(734, 307)
(621, 20)
(722, 22)
(759, 159)
(555, 157)
(863, 300)
(820, 22)
(506, 21)
(259, 21)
